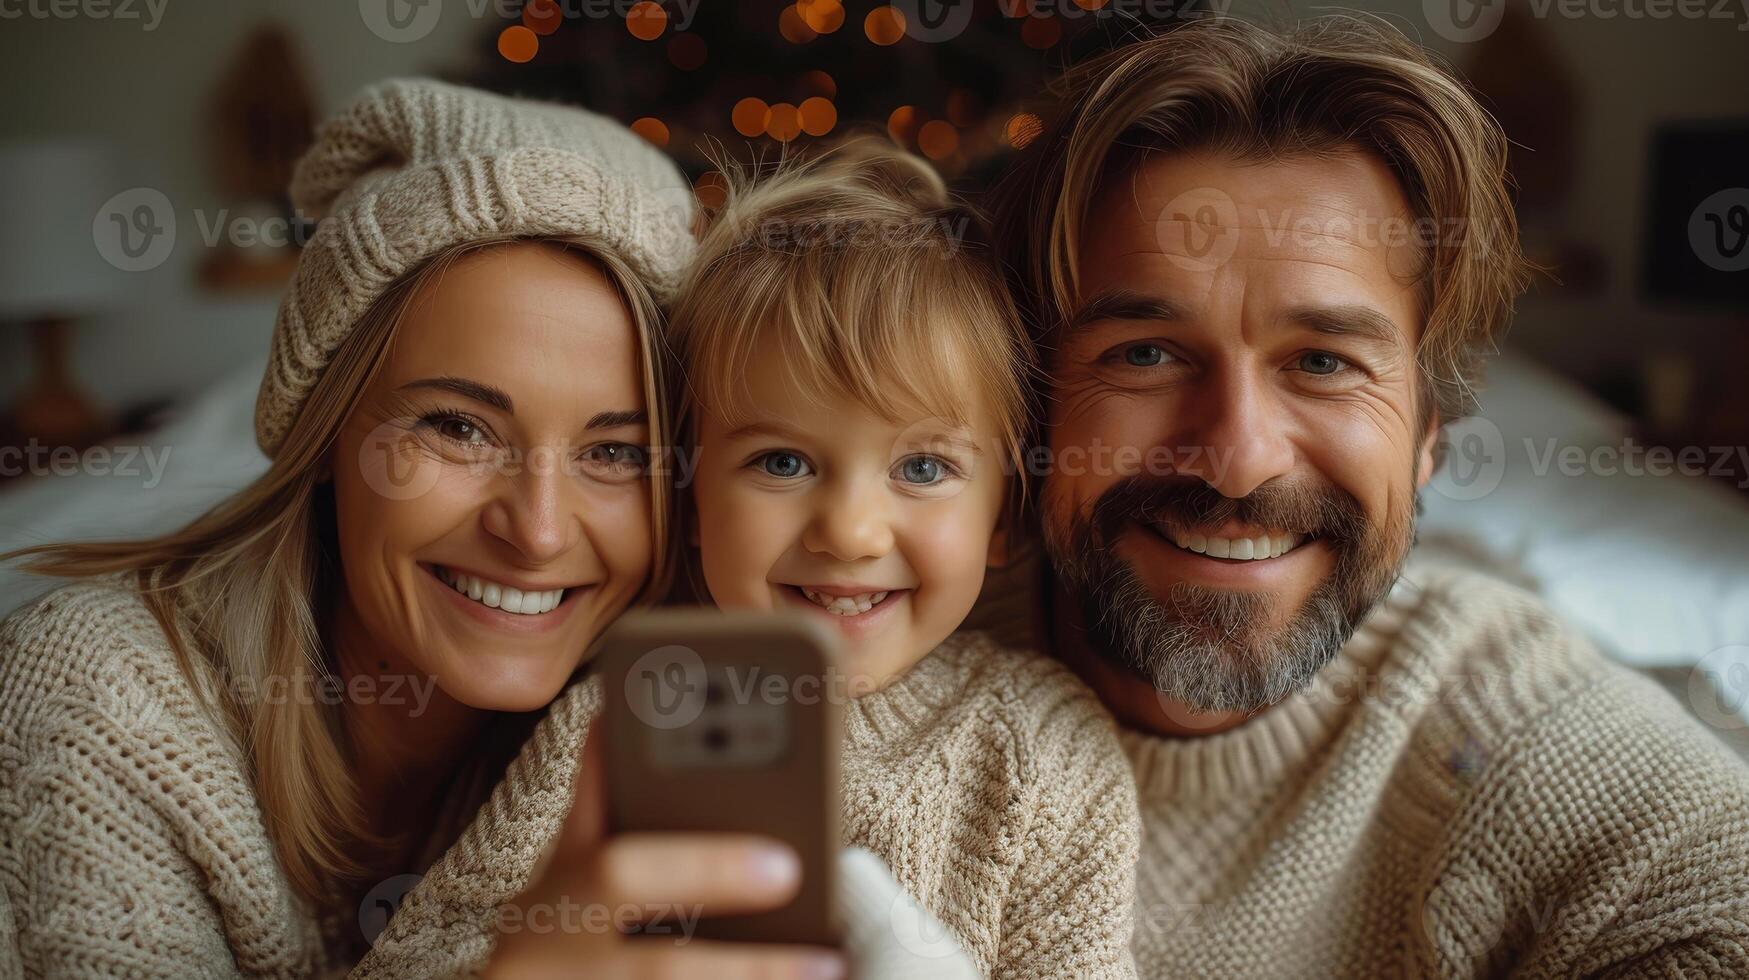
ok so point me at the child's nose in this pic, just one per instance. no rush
(850, 524)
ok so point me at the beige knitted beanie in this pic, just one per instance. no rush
(414, 166)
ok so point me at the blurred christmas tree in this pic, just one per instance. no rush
(952, 79)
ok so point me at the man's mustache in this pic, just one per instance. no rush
(1295, 507)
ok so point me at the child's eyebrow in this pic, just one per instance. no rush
(765, 427)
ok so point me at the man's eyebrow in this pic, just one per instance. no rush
(1361, 321)
(477, 390)
(1124, 304)
(613, 420)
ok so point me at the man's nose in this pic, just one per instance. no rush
(850, 522)
(1234, 435)
(535, 512)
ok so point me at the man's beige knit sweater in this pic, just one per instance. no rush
(1468, 790)
(990, 782)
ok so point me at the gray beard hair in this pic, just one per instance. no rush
(1214, 650)
(1208, 648)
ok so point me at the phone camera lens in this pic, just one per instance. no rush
(716, 738)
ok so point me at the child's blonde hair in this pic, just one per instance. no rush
(873, 282)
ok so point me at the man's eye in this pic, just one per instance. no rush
(1144, 355)
(922, 471)
(785, 466)
(1320, 362)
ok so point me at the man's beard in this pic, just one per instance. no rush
(1213, 649)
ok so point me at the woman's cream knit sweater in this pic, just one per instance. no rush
(991, 782)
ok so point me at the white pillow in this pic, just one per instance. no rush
(1651, 563)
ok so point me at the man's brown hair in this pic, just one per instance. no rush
(1334, 83)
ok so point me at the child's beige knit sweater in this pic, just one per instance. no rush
(1469, 790)
(991, 782)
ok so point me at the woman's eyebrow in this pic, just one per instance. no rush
(613, 420)
(467, 388)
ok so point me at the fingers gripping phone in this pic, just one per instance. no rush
(724, 722)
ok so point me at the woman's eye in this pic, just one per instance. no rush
(457, 429)
(922, 470)
(785, 466)
(1144, 355)
(619, 455)
(1320, 362)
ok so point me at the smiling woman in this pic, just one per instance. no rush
(462, 395)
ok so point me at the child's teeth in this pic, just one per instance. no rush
(845, 605)
(502, 596)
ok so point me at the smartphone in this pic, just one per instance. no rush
(726, 722)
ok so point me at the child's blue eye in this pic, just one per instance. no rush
(786, 466)
(922, 470)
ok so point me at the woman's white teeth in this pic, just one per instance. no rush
(845, 605)
(502, 596)
(1261, 546)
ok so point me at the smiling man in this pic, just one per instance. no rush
(1263, 269)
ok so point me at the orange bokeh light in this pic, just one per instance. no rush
(820, 83)
(1023, 128)
(794, 29)
(884, 25)
(818, 116)
(711, 189)
(542, 16)
(1041, 32)
(785, 122)
(517, 43)
(901, 122)
(1091, 4)
(824, 16)
(750, 117)
(646, 20)
(938, 139)
(652, 129)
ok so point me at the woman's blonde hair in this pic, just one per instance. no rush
(870, 279)
(241, 591)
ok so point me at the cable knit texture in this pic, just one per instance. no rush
(1468, 790)
(130, 840)
(414, 166)
(989, 781)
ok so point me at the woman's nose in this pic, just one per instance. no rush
(535, 514)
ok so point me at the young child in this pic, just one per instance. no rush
(855, 393)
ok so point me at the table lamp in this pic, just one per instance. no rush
(51, 273)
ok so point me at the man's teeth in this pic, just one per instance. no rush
(1262, 546)
(502, 596)
(845, 605)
